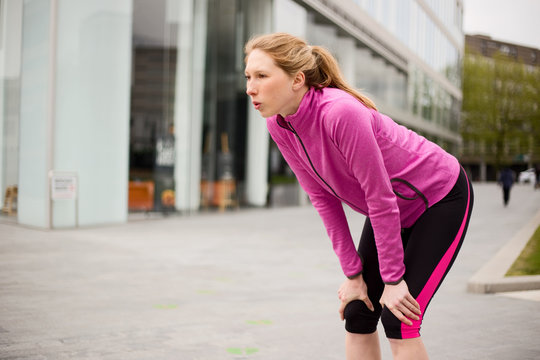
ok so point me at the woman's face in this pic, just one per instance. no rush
(271, 89)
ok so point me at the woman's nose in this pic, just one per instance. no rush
(250, 90)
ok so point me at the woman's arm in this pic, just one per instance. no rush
(352, 130)
(331, 212)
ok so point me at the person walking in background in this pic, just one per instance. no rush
(506, 180)
(416, 197)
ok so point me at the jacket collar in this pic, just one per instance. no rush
(304, 109)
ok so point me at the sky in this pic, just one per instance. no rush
(513, 21)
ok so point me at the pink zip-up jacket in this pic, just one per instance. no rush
(343, 152)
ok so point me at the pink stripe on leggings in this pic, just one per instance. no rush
(435, 279)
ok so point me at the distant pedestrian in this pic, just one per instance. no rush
(506, 180)
(417, 197)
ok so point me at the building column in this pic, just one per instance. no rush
(34, 149)
(188, 114)
(75, 109)
(259, 21)
(346, 51)
(292, 18)
(483, 171)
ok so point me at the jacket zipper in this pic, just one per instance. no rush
(291, 128)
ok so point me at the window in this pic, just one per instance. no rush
(155, 52)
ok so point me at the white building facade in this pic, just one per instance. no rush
(143, 104)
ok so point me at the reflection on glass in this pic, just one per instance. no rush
(225, 117)
(152, 146)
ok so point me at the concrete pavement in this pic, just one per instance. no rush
(248, 284)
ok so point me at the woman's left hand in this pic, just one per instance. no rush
(400, 302)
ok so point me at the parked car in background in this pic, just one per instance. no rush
(527, 177)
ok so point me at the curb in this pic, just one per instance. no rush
(491, 277)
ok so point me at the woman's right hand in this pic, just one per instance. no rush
(400, 302)
(353, 289)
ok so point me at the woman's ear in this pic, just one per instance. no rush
(299, 80)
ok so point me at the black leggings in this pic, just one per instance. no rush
(430, 248)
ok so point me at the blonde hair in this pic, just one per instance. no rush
(293, 55)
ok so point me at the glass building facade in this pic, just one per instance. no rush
(143, 102)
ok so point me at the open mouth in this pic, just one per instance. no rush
(257, 105)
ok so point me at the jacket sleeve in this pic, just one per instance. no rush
(331, 212)
(353, 132)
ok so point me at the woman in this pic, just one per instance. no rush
(416, 197)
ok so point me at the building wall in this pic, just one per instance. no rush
(408, 57)
(74, 109)
(91, 114)
(75, 106)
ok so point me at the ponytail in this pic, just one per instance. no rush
(326, 73)
(293, 55)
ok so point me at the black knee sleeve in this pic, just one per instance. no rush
(359, 319)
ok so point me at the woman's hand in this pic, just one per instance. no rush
(353, 289)
(400, 302)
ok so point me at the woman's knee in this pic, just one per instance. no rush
(359, 319)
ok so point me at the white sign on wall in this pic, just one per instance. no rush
(63, 186)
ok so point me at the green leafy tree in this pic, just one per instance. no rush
(501, 101)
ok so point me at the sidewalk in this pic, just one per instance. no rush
(249, 284)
